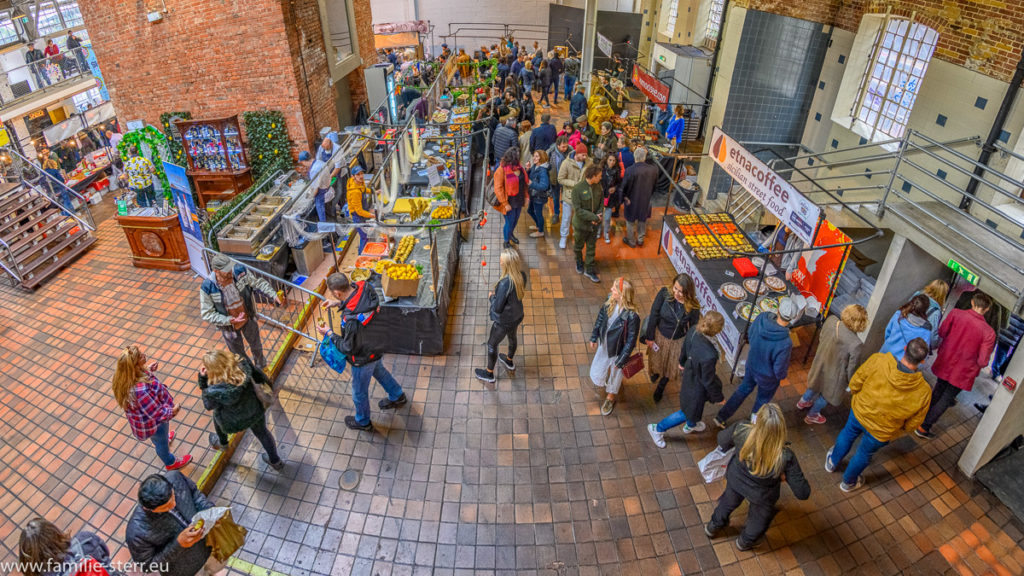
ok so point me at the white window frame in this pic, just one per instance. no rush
(714, 24)
(892, 79)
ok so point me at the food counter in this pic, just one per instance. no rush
(719, 286)
(91, 172)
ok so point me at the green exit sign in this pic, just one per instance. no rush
(963, 271)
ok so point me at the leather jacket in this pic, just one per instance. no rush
(619, 338)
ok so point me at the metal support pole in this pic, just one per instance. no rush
(589, 40)
(895, 171)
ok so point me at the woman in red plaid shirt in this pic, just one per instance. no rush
(147, 404)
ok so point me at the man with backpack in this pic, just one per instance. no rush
(226, 301)
(358, 303)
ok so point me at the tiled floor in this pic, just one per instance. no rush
(66, 449)
(522, 477)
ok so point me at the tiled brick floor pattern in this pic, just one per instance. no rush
(66, 448)
(527, 477)
(522, 477)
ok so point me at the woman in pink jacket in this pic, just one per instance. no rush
(967, 342)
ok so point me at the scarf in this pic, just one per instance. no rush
(512, 180)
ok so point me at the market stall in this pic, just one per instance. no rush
(735, 275)
(92, 173)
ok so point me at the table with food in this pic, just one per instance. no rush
(730, 283)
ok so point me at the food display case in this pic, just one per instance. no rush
(217, 161)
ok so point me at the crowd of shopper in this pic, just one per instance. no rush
(590, 175)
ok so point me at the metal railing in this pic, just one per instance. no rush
(923, 181)
(53, 188)
(41, 74)
(9, 261)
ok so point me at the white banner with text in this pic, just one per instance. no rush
(791, 207)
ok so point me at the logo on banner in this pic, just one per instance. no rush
(773, 191)
(655, 90)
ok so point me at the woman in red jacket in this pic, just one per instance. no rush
(510, 187)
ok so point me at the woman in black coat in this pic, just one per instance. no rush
(506, 314)
(674, 311)
(698, 361)
(763, 460)
(611, 184)
(527, 108)
(234, 401)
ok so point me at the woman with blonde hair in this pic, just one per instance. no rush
(506, 313)
(836, 360)
(675, 310)
(698, 360)
(936, 291)
(755, 474)
(228, 383)
(614, 339)
(146, 403)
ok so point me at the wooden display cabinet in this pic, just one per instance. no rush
(217, 161)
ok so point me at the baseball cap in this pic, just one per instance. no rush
(357, 169)
(304, 156)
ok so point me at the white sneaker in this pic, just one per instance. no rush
(532, 227)
(700, 427)
(607, 240)
(658, 437)
(561, 243)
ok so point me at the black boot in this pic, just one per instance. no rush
(660, 390)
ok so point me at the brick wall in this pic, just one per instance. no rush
(367, 50)
(316, 94)
(218, 58)
(982, 35)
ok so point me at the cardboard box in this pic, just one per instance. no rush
(400, 288)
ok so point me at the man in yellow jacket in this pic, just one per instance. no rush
(890, 399)
(355, 192)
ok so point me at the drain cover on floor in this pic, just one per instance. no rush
(349, 479)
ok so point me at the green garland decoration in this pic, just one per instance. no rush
(157, 143)
(487, 82)
(269, 145)
(175, 151)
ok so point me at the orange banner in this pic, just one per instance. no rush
(818, 269)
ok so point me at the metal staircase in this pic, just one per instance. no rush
(37, 236)
(916, 186)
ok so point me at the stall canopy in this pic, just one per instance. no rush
(71, 126)
(399, 40)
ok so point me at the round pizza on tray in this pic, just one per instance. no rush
(733, 291)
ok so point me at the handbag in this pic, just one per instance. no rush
(713, 465)
(331, 355)
(634, 365)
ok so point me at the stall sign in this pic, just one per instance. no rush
(818, 269)
(729, 337)
(604, 44)
(777, 195)
(655, 90)
(94, 67)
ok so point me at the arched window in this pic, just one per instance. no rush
(892, 79)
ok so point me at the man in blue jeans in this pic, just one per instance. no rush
(890, 399)
(768, 360)
(358, 303)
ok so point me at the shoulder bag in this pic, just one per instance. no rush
(635, 364)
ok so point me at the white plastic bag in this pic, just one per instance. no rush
(713, 466)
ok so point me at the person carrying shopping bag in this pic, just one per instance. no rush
(613, 340)
(763, 460)
(229, 387)
(147, 404)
